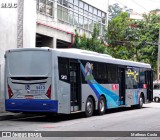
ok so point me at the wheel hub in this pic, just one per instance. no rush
(89, 107)
(141, 101)
(101, 106)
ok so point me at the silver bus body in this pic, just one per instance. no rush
(61, 80)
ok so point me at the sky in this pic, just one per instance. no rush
(138, 6)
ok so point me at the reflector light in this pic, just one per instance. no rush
(48, 94)
(10, 93)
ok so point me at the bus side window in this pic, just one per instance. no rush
(132, 78)
(101, 73)
(112, 72)
(73, 76)
(142, 77)
(63, 69)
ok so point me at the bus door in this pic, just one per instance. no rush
(149, 82)
(75, 83)
(122, 85)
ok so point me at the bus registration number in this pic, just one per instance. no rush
(40, 87)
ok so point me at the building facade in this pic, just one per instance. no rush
(39, 23)
(67, 16)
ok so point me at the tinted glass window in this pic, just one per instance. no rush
(102, 73)
(141, 77)
(95, 69)
(63, 69)
(132, 78)
(112, 73)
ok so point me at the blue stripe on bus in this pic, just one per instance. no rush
(94, 89)
(29, 105)
(112, 98)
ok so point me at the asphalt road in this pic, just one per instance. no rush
(124, 119)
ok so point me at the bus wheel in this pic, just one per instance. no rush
(140, 105)
(89, 107)
(156, 99)
(101, 106)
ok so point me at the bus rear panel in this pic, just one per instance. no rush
(28, 81)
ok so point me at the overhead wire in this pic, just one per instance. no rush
(155, 0)
(140, 5)
(129, 7)
(144, 42)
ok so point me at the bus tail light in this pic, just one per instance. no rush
(48, 94)
(10, 93)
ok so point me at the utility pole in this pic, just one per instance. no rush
(107, 14)
(158, 57)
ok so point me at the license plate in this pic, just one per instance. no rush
(29, 96)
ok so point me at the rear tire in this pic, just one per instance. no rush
(156, 99)
(101, 106)
(89, 107)
(140, 105)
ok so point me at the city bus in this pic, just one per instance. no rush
(66, 81)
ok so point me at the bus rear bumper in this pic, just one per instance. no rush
(29, 105)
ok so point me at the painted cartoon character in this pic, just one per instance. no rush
(88, 71)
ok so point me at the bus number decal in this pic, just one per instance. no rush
(41, 87)
(64, 77)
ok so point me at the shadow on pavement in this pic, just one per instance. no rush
(41, 117)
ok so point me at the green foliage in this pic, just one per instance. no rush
(134, 40)
(128, 39)
(94, 43)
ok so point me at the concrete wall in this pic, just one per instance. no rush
(9, 32)
(8, 39)
(51, 32)
(29, 23)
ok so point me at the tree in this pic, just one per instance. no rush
(94, 43)
(134, 40)
(114, 10)
(116, 36)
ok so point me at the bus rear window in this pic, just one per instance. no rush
(29, 63)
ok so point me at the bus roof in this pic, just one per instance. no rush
(94, 56)
(86, 55)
